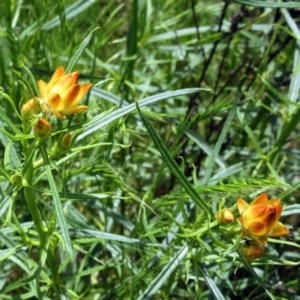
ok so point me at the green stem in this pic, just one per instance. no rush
(50, 245)
(53, 261)
(29, 193)
(32, 205)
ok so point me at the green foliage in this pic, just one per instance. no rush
(194, 104)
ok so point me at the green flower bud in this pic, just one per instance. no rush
(29, 109)
(252, 251)
(66, 141)
(42, 128)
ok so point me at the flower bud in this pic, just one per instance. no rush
(252, 251)
(29, 109)
(66, 141)
(42, 128)
(225, 216)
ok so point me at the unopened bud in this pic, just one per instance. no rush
(42, 128)
(225, 216)
(252, 251)
(29, 109)
(66, 141)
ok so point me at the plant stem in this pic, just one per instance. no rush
(29, 193)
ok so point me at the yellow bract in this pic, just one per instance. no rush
(260, 219)
(62, 94)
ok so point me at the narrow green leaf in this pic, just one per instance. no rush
(3, 113)
(99, 122)
(258, 279)
(72, 11)
(87, 233)
(32, 79)
(11, 159)
(57, 204)
(254, 140)
(79, 51)
(271, 4)
(295, 79)
(222, 136)
(4, 254)
(169, 238)
(107, 96)
(236, 168)
(4, 205)
(291, 210)
(161, 278)
(205, 147)
(174, 168)
(211, 284)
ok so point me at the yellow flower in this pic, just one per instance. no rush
(259, 220)
(61, 95)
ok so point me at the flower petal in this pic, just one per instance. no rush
(57, 114)
(280, 229)
(260, 239)
(75, 110)
(279, 209)
(65, 83)
(269, 219)
(257, 228)
(274, 202)
(70, 95)
(254, 212)
(59, 73)
(242, 205)
(261, 199)
(83, 90)
(42, 88)
(240, 220)
(55, 101)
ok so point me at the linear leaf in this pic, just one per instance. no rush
(99, 122)
(57, 204)
(161, 278)
(174, 168)
(72, 11)
(222, 136)
(79, 51)
(272, 4)
(211, 284)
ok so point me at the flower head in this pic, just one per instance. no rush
(62, 94)
(259, 219)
